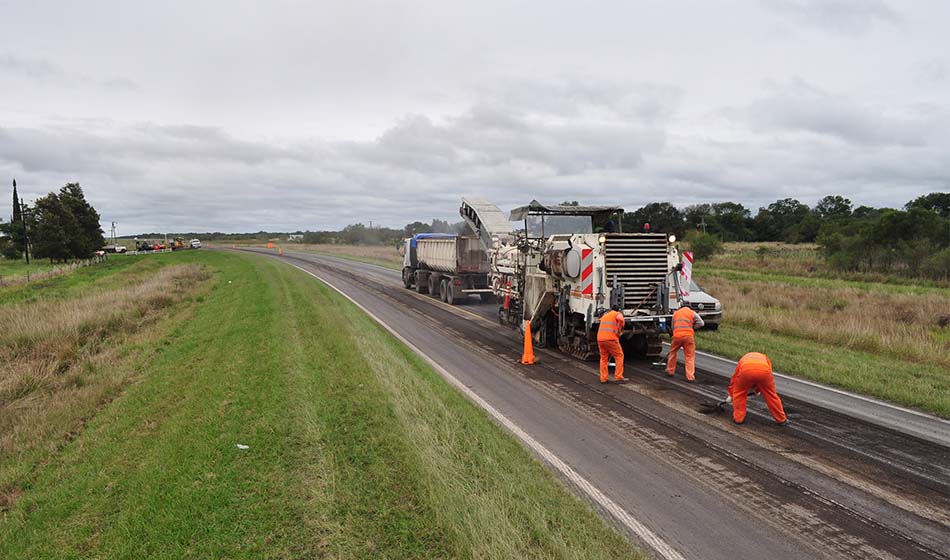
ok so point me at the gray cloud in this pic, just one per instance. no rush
(46, 72)
(845, 16)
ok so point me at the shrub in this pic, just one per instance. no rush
(704, 245)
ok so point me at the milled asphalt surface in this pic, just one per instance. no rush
(710, 490)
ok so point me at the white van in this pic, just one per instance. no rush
(195, 244)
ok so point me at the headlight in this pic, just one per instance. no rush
(603, 239)
(718, 306)
(672, 239)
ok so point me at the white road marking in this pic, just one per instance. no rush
(647, 536)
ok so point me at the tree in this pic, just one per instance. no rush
(774, 223)
(50, 231)
(703, 245)
(15, 229)
(416, 227)
(833, 207)
(732, 221)
(938, 202)
(662, 216)
(87, 237)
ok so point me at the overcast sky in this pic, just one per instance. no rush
(279, 115)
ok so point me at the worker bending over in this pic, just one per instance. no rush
(754, 373)
(685, 320)
(608, 341)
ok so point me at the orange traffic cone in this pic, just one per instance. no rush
(527, 357)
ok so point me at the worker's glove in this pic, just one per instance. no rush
(728, 399)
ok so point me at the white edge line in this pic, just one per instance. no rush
(611, 507)
(834, 390)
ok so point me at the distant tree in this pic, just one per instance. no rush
(50, 231)
(416, 227)
(570, 203)
(938, 202)
(15, 229)
(663, 217)
(732, 221)
(833, 207)
(441, 226)
(775, 222)
(87, 237)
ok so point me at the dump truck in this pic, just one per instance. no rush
(446, 266)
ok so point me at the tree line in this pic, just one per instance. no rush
(912, 241)
(59, 226)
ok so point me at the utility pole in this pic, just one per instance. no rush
(702, 223)
(113, 236)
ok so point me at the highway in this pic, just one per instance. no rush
(844, 480)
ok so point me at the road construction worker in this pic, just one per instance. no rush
(608, 341)
(685, 321)
(753, 375)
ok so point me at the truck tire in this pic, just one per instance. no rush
(422, 283)
(449, 293)
(444, 289)
(434, 285)
(407, 277)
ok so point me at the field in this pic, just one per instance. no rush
(386, 256)
(212, 404)
(882, 337)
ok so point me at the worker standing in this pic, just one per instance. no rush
(754, 373)
(685, 321)
(608, 341)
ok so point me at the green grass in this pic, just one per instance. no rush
(357, 448)
(17, 268)
(815, 282)
(99, 276)
(926, 387)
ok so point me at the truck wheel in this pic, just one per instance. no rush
(434, 285)
(422, 283)
(449, 293)
(407, 277)
(444, 289)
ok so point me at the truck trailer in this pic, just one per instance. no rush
(446, 266)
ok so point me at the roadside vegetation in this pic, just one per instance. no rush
(888, 340)
(354, 448)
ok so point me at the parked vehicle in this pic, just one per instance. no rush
(195, 244)
(114, 249)
(708, 307)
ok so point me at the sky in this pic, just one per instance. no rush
(310, 115)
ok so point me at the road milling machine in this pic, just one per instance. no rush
(568, 265)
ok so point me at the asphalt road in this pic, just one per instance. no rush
(660, 463)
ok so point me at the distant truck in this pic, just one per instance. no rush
(447, 266)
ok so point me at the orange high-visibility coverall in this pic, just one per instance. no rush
(754, 371)
(684, 319)
(608, 342)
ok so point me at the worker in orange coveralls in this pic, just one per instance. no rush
(608, 341)
(685, 321)
(754, 373)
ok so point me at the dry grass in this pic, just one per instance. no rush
(912, 327)
(53, 353)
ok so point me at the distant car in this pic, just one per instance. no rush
(195, 244)
(708, 307)
(114, 249)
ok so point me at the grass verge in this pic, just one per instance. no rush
(357, 449)
(925, 387)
